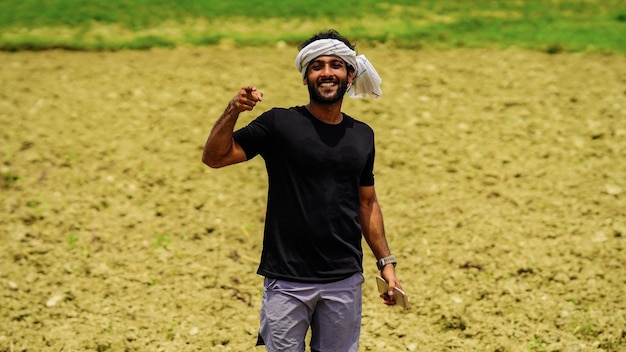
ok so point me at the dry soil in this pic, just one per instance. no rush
(502, 177)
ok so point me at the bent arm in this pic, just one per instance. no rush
(220, 148)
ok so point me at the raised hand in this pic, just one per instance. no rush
(246, 99)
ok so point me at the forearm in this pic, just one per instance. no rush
(374, 230)
(374, 233)
(220, 140)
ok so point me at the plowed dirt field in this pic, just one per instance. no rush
(501, 175)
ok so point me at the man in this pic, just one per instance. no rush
(321, 199)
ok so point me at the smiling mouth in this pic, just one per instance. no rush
(327, 84)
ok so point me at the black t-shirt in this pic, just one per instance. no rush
(312, 229)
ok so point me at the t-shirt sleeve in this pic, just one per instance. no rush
(256, 136)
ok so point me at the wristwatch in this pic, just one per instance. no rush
(391, 259)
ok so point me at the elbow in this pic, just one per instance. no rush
(216, 159)
(213, 163)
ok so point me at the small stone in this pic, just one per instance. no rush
(52, 301)
(613, 189)
(561, 278)
(599, 237)
(12, 286)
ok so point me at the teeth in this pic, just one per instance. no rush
(327, 84)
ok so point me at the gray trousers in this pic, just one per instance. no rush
(331, 310)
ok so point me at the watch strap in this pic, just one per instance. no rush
(390, 259)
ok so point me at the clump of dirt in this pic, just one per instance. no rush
(502, 176)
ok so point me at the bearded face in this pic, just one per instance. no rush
(328, 79)
(327, 90)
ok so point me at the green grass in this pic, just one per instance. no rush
(553, 26)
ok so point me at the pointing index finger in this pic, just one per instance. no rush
(253, 93)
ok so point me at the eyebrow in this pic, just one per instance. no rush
(333, 60)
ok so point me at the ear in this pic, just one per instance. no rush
(351, 76)
(305, 79)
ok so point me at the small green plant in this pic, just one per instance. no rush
(536, 345)
(70, 157)
(585, 329)
(170, 331)
(71, 240)
(162, 241)
(33, 204)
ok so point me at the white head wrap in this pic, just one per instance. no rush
(366, 80)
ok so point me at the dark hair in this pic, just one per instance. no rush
(329, 34)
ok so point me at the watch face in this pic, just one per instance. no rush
(381, 264)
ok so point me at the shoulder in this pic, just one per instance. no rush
(291, 110)
(270, 116)
(279, 112)
(280, 120)
(358, 125)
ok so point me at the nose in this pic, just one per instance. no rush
(327, 71)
